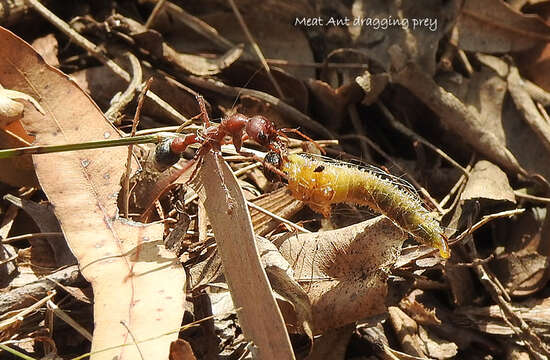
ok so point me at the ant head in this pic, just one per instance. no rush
(261, 130)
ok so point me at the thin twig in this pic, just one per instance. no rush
(457, 188)
(154, 13)
(31, 236)
(133, 339)
(95, 51)
(540, 199)
(277, 217)
(256, 48)
(126, 187)
(499, 295)
(358, 127)
(408, 132)
(465, 61)
(128, 95)
(485, 220)
(330, 65)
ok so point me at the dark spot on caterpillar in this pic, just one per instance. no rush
(319, 168)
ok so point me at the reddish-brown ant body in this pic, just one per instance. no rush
(238, 127)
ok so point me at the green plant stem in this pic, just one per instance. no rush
(44, 149)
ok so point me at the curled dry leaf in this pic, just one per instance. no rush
(522, 266)
(331, 104)
(344, 271)
(281, 278)
(153, 42)
(11, 110)
(522, 273)
(135, 280)
(488, 183)
(47, 47)
(492, 26)
(527, 108)
(406, 330)
(44, 218)
(485, 95)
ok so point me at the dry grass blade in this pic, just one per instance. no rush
(259, 316)
(124, 261)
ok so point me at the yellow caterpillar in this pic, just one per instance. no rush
(320, 182)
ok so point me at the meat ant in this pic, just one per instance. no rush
(239, 128)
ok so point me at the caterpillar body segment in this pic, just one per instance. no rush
(321, 183)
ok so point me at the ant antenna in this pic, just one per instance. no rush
(245, 85)
(304, 136)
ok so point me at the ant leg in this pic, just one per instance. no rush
(299, 133)
(204, 113)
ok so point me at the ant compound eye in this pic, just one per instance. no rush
(263, 139)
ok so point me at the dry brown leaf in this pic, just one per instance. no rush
(535, 312)
(44, 218)
(492, 26)
(47, 47)
(290, 43)
(406, 330)
(453, 113)
(461, 282)
(418, 41)
(344, 271)
(279, 202)
(485, 95)
(153, 42)
(487, 183)
(522, 266)
(437, 348)
(100, 83)
(522, 273)
(333, 344)
(331, 104)
(124, 261)
(281, 278)
(258, 313)
(181, 350)
(527, 108)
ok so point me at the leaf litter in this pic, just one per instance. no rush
(276, 289)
